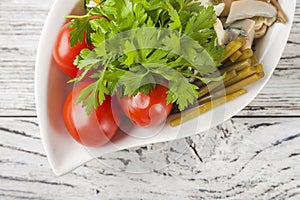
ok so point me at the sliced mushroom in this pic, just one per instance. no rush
(247, 9)
(248, 26)
(227, 7)
(221, 33)
(281, 16)
(259, 22)
(219, 8)
(269, 21)
(232, 33)
(267, 1)
(225, 36)
(261, 32)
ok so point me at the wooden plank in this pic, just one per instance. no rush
(244, 157)
(281, 96)
(20, 27)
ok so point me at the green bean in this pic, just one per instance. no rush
(247, 53)
(222, 91)
(234, 57)
(238, 85)
(212, 85)
(254, 61)
(241, 75)
(236, 66)
(193, 113)
(260, 70)
(231, 48)
(241, 39)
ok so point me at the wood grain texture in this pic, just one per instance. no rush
(241, 159)
(20, 27)
(255, 155)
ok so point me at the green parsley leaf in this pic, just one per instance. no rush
(80, 27)
(180, 90)
(88, 98)
(176, 23)
(141, 43)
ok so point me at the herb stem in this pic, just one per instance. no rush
(77, 16)
(192, 75)
(88, 14)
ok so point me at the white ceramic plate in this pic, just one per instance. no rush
(65, 154)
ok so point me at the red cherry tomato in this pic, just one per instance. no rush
(95, 129)
(147, 110)
(64, 54)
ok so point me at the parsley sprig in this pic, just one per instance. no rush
(141, 43)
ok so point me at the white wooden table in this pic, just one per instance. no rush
(255, 155)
